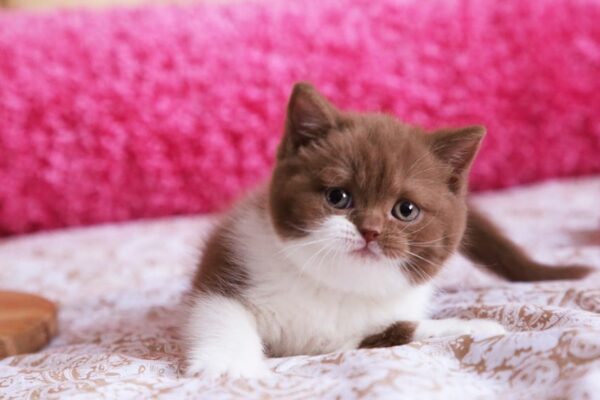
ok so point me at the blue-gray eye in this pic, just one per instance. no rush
(339, 198)
(406, 210)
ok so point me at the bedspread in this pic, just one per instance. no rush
(120, 288)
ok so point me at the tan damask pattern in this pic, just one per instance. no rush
(120, 286)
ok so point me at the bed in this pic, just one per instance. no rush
(146, 113)
(120, 288)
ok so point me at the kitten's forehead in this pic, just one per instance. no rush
(375, 153)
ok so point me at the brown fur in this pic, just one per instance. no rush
(397, 334)
(485, 244)
(380, 161)
(219, 272)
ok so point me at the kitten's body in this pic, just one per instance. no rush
(295, 314)
(289, 272)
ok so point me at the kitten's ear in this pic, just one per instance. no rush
(309, 116)
(458, 149)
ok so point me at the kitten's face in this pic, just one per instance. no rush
(364, 203)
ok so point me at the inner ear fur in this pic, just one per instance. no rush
(457, 148)
(309, 116)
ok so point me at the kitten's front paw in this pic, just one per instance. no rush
(222, 340)
(219, 367)
(482, 327)
(455, 327)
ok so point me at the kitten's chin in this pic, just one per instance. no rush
(365, 254)
(361, 271)
(370, 251)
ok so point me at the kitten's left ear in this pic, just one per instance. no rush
(458, 149)
(309, 116)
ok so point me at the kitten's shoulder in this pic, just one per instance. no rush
(221, 271)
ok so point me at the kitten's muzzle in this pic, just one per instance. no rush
(369, 235)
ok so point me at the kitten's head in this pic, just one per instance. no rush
(364, 203)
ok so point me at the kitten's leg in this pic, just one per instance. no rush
(222, 338)
(404, 332)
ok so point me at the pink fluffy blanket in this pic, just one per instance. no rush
(167, 110)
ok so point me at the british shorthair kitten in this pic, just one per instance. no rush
(340, 249)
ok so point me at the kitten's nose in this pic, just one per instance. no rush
(369, 234)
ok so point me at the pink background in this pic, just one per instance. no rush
(116, 115)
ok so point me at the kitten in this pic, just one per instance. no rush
(339, 250)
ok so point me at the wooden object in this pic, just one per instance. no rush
(27, 323)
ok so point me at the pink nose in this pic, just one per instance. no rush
(369, 235)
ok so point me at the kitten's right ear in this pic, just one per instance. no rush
(309, 117)
(457, 148)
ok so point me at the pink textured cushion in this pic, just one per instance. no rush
(158, 111)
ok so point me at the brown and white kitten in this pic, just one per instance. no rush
(340, 249)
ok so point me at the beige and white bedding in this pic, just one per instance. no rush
(119, 288)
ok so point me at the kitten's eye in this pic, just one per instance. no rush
(339, 198)
(406, 210)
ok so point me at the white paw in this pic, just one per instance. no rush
(220, 367)
(456, 327)
(480, 327)
(222, 340)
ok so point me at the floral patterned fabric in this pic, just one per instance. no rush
(120, 288)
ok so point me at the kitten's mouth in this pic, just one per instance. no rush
(366, 252)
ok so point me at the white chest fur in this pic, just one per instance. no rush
(297, 314)
(300, 318)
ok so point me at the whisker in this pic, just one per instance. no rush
(413, 270)
(314, 255)
(306, 230)
(421, 258)
(427, 246)
(323, 257)
(433, 241)
(421, 228)
(407, 242)
(420, 273)
(297, 246)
